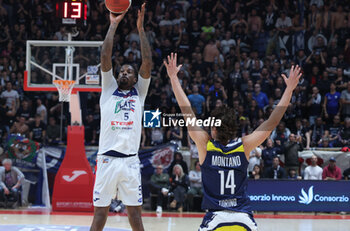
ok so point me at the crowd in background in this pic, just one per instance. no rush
(233, 53)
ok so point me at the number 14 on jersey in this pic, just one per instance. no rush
(227, 182)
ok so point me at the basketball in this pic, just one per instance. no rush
(117, 6)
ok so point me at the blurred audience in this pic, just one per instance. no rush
(331, 171)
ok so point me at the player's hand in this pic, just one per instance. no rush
(141, 17)
(293, 79)
(171, 66)
(116, 19)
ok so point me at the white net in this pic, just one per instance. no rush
(65, 88)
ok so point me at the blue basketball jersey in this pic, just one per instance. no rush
(224, 177)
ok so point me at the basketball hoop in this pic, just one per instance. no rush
(64, 88)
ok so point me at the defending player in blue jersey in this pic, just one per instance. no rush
(224, 157)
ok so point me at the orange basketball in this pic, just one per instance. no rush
(117, 6)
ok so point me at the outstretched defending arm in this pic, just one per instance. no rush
(198, 135)
(146, 53)
(264, 130)
(107, 47)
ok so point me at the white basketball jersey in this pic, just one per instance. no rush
(121, 115)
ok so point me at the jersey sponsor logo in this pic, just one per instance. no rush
(125, 105)
(122, 123)
(116, 125)
(151, 118)
(76, 174)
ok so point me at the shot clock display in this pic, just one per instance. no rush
(72, 12)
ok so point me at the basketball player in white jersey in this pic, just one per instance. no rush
(122, 99)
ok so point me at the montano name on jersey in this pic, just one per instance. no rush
(121, 115)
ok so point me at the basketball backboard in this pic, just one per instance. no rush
(47, 61)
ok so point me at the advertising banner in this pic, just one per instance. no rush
(299, 195)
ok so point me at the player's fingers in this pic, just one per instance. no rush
(292, 69)
(179, 67)
(175, 59)
(284, 77)
(165, 64)
(172, 56)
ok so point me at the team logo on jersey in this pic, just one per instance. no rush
(125, 105)
(151, 119)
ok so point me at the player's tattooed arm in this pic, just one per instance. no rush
(253, 140)
(146, 52)
(198, 135)
(107, 47)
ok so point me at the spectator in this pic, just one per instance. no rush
(331, 171)
(314, 105)
(218, 92)
(197, 101)
(11, 179)
(208, 29)
(227, 43)
(344, 136)
(313, 171)
(316, 132)
(345, 101)
(331, 104)
(275, 171)
(178, 159)
(254, 158)
(256, 173)
(157, 136)
(269, 153)
(38, 130)
(6, 115)
(179, 184)
(195, 177)
(24, 111)
(284, 23)
(133, 49)
(292, 175)
(41, 110)
(300, 130)
(334, 132)
(20, 128)
(159, 185)
(11, 96)
(53, 132)
(346, 174)
(280, 133)
(260, 97)
(291, 150)
(175, 135)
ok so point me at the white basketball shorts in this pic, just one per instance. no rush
(228, 220)
(119, 177)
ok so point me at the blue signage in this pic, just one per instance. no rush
(299, 195)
